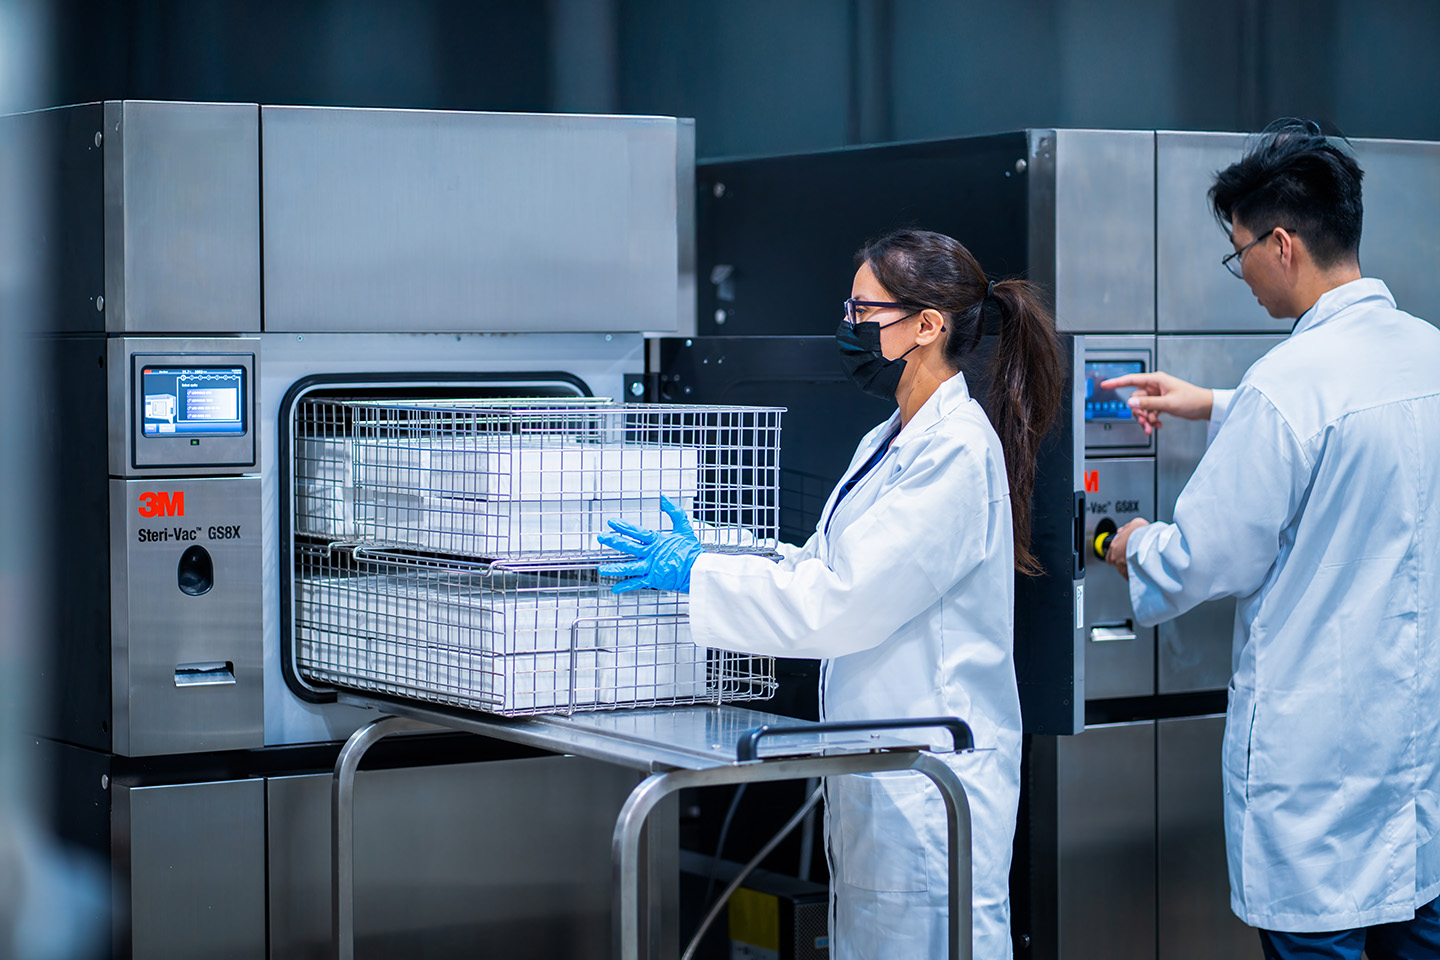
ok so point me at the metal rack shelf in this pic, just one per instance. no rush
(678, 747)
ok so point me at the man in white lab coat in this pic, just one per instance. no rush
(1317, 505)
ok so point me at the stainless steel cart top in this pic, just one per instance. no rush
(699, 737)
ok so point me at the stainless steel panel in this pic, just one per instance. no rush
(182, 217)
(1193, 292)
(1077, 485)
(122, 400)
(1040, 185)
(192, 857)
(687, 305)
(1194, 649)
(1196, 922)
(702, 736)
(1107, 843)
(1402, 197)
(600, 361)
(1104, 230)
(507, 858)
(1119, 653)
(379, 220)
(1400, 244)
(161, 635)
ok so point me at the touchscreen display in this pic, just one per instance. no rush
(1109, 404)
(193, 401)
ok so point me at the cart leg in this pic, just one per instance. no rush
(342, 828)
(625, 853)
(957, 817)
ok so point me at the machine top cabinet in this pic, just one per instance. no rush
(223, 218)
(1115, 224)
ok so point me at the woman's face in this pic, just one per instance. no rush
(895, 338)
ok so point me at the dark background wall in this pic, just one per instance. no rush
(767, 76)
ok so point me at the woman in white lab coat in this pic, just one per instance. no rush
(906, 589)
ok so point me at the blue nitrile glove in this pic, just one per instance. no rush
(663, 560)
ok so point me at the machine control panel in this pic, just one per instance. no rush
(1119, 653)
(187, 618)
(193, 401)
(192, 410)
(1109, 423)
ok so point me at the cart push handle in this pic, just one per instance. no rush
(749, 746)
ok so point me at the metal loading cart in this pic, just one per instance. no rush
(676, 748)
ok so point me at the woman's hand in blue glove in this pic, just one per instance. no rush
(662, 560)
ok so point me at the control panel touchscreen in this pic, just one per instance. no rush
(1110, 404)
(193, 401)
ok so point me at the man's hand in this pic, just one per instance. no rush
(1115, 555)
(1157, 393)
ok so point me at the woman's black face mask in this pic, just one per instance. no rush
(864, 363)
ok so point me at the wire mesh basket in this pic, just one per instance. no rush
(446, 551)
(503, 480)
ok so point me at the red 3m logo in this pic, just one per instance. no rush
(163, 504)
(1092, 481)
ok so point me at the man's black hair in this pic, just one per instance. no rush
(1293, 177)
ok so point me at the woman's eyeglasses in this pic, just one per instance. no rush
(854, 315)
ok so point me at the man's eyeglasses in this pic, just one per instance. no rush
(1234, 262)
(854, 316)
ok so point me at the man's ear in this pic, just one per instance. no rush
(1288, 244)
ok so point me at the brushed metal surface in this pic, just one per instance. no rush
(1105, 230)
(192, 857)
(689, 737)
(1076, 653)
(1195, 919)
(155, 627)
(496, 859)
(1107, 842)
(1400, 244)
(1194, 649)
(379, 220)
(1193, 292)
(686, 319)
(1040, 184)
(1124, 489)
(182, 217)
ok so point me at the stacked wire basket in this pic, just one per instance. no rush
(446, 551)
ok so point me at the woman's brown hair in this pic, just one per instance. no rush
(1027, 375)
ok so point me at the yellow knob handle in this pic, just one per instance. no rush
(1104, 533)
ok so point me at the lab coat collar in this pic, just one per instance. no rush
(948, 397)
(1332, 302)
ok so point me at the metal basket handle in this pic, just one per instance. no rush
(749, 746)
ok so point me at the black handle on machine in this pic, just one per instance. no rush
(749, 746)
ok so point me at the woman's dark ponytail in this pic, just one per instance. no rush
(1027, 384)
(1027, 375)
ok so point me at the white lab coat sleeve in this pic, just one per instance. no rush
(1219, 409)
(1228, 519)
(790, 555)
(924, 533)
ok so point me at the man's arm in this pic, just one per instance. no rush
(1229, 519)
(1158, 392)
